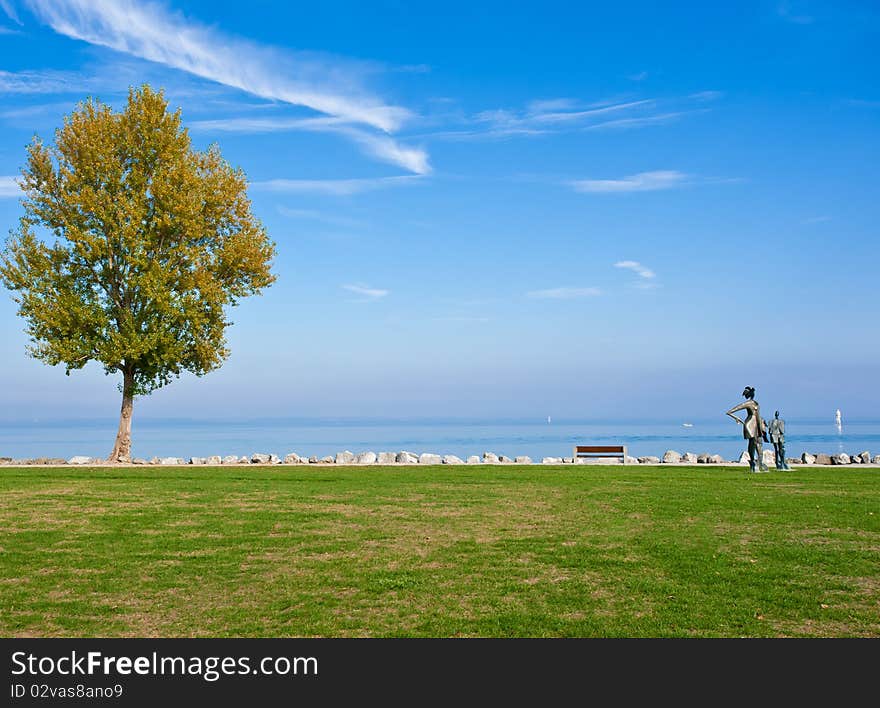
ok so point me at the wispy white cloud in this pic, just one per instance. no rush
(638, 122)
(329, 85)
(636, 268)
(334, 187)
(816, 220)
(9, 187)
(9, 11)
(639, 76)
(641, 182)
(785, 11)
(380, 146)
(366, 291)
(151, 32)
(564, 293)
(8, 30)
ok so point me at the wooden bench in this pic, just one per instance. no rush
(593, 451)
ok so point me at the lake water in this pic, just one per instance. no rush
(537, 439)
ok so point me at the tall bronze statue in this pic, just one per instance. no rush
(777, 437)
(753, 428)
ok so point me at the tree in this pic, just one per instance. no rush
(154, 241)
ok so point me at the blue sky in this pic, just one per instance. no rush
(500, 209)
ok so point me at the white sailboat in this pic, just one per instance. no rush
(548, 418)
(837, 419)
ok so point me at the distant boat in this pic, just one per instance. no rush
(548, 418)
(687, 425)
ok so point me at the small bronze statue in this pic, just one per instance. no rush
(753, 428)
(777, 437)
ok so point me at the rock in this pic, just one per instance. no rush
(79, 460)
(139, 461)
(769, 458)
(855, 459)
(429, 458)
(197, 460)
(490, 458)
(230, 460)
(671, 457)
(792, 460)
(171, 461)
(877, 459)
(474, 460)
(387, 458)
(523, 460)
(716, 460)
(690, 458)
(630, 460)
(823, 459)
(551, 461)
(292, 459)
(567, 460)
(744, 458)
(505, 459)
(649, 460)
(703, 458)
(865, 457)
(366, 458)
(313, 460)
(344, 458)
(407, 458)
(840, 459)
(213, 460)
(808, 459)
(452, 460)
(328, 459)
(260, 458)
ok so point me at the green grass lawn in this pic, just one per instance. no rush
(439, 551)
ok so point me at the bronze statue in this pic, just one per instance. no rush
(777, 437)
(753, 428)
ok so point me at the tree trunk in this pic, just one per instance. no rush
(122, 448)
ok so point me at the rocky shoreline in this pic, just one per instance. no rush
(670, 457)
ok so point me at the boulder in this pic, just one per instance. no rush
(230, 460)
(716, 460)
(171, 461)
(139, 461)
(769, 457)
(387, 458)
(407, 458)
(490, 458)
(744, 458)
(474, 460)
(79, 460)
(213, 460)
(328, 459)
(344, 458)
(197, 461)
(823, 459)
(313, 459)
(630, 460)
(429, 458)
(671, 457)
(808, 459)
(366, 458)
(690, 458)
(840, 458)
(522, 460)
(551, 461)
(649, 460)
(505, 459)
(877, 459)
(703, 458)
(865, 457)
(452, 460)
(855, 459)
(567, 460)
(792, 460)
(260, 458)
(292, 459)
